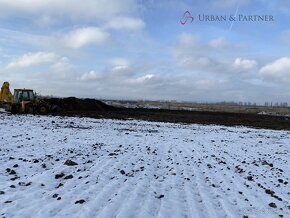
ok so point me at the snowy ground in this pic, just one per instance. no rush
(140, 169)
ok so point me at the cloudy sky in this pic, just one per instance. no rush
(138, 49)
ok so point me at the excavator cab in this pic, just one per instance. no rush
(23, 101)
(23, 95)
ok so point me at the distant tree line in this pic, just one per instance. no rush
(266, 104)
(276, 104)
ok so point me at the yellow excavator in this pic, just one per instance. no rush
(23, 101)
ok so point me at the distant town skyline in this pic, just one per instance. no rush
(153, 50)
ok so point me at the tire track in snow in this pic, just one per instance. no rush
(237, 184)
(226, 206)
(127, 194)
(105, 190)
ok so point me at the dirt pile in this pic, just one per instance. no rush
(73, 104)
(96, 109)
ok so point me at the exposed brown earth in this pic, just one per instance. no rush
(97, 109)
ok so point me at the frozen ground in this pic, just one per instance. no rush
(140, 169)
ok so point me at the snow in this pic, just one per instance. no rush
(140, 169)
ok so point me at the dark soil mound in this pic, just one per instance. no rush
(75, 104)
(96, 109)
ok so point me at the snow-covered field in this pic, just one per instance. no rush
(140, 169)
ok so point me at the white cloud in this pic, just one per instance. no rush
(73, 9)
(218, 43)
(58, 41)
(84, 36)
(120, 68)
(110, 75)
(90, 76)
(186, 39)
(125, 23)
(50, 65)
(199, 56)
(195, 62)
(62, 66)
(141, 79)
(195, 55)
(31, 59)
(244, 63)
(279, 69)
(119, 62)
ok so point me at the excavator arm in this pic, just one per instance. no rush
(5, 94)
